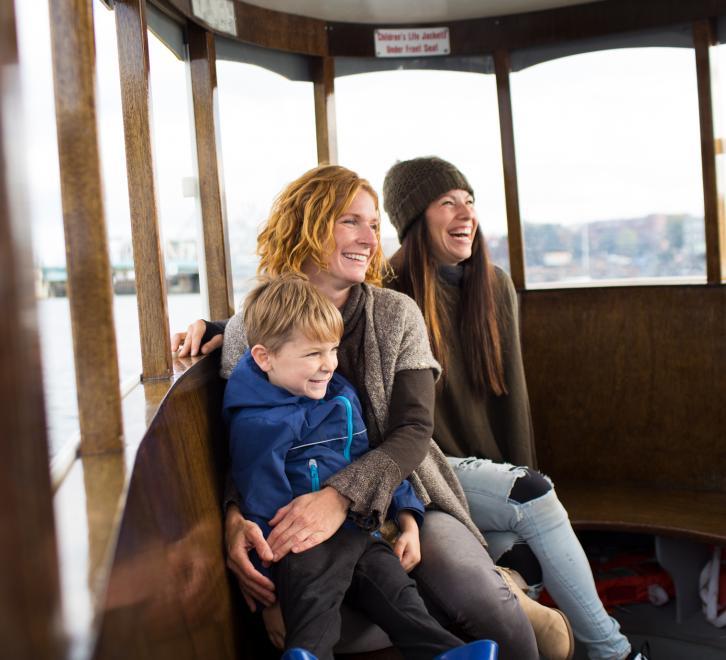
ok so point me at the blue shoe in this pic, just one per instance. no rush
(484, 649)
(298, 654)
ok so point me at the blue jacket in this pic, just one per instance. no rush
(283, 445)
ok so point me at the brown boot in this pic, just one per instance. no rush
(551, 628)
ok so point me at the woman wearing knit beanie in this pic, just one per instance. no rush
(482, 418)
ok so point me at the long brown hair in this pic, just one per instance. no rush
(416, 274)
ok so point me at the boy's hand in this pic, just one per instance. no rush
(272, 616)
(408, 546)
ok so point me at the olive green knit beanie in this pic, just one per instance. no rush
(411, 185)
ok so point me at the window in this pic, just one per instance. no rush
(608, 153)
(268, 139)
(395, 115)
(177, 185)
(116, 196)
(46, 218)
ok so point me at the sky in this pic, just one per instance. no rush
(599, 136)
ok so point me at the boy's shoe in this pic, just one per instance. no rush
(483, 649)
(298, 654)
(642, 654)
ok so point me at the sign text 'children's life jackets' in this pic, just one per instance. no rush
(412, 42)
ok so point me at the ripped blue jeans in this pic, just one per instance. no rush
(543, 524)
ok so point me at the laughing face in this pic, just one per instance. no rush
(302, 366)
(356, 239)
(451, 223)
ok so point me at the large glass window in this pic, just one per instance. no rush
(46, 217)
(609, 166)
(116, 195)
(177, 185)
(268, 139)
(394, 115)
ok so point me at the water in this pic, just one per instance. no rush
(56, 343)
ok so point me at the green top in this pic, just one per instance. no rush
(488, 426)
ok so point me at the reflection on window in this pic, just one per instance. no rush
(116, 196)
(46, 217)
(394, 115)
(268, 139)
(609, 166)
(177, 188)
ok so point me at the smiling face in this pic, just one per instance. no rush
(355, 234)
(451, 223)
(301, 366)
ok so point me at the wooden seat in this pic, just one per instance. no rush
(694, 515)
(627, 386)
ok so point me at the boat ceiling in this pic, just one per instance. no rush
(409, 11)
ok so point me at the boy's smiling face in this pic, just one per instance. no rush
(302, 366)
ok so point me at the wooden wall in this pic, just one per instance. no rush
(628, 384)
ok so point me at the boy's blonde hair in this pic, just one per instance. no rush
(279, 306)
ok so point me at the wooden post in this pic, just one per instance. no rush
(133, 55)
(325, 126)
(509, 163)
(29, 583)
(202, 56)
(89, 270)
(703, 39)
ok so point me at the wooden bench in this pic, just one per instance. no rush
(628, 394)
(169, 593)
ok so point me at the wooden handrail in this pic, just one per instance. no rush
(509, 164)
(89, 269)
(325, 122)
(703, 40)
(133, 55)
(29, 596)
(202, 62)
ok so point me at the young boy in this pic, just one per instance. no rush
(294, 423)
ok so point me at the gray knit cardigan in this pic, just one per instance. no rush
(394, 339)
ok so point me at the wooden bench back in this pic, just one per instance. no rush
(169, 593)
(628, 384)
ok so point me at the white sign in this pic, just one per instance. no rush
(412, 42)
(217, 14)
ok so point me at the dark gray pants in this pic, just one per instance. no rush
(462, 589)
(362, 569)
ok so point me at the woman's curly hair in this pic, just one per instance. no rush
(302, 220)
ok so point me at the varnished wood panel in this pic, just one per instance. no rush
(509, 163)
(514, 31)
(216, 242)
(133, 53)
(268, 28)
(628, 384)
(325, 123)
(29, 584)
(704, 39)
(169, 595)
(88, 266)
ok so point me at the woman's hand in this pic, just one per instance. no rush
(408, 546)
(307, 521)
(242, 536)
(187, 343)
(275, 626)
